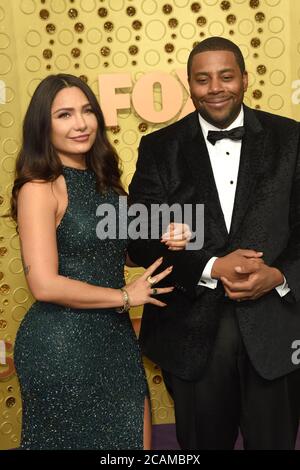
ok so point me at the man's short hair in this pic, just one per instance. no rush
(216, 43)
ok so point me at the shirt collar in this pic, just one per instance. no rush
(206, 126)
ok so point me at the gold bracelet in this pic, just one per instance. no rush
(126, 305)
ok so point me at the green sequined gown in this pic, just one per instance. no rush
(80, 371)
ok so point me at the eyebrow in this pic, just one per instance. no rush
(219, 71)
(70, 109)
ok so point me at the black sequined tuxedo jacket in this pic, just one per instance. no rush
(174, 167)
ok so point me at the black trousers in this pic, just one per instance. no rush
(231, 395)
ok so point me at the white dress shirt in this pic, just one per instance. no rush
(225, 159)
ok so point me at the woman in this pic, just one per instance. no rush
(77, 358)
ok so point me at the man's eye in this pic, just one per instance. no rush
(227, 77)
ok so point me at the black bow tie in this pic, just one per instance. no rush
(234, 134)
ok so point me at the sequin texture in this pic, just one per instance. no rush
(80, 371)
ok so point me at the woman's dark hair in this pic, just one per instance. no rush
(216, 43)
(38, 160)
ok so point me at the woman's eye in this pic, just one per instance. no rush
(64, 115)
(89, 110)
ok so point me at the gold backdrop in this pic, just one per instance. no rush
(94, 37)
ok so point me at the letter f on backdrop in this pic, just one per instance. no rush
(110, 100)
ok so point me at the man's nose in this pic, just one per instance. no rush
(216, 85)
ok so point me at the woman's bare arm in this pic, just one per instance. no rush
(37, 209)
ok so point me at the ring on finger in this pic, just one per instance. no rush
(154, 291)
(151, 280)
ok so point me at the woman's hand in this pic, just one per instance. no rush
(142, 290)
(177, 236)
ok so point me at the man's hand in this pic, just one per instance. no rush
(248, 260)
(260, 282)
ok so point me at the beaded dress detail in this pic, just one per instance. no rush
(80, 371)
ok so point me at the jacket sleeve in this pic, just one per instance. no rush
(289, 260)
(149, 187)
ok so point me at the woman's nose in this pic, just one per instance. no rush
(80, 122)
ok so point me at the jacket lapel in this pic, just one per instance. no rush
(197, 157)
(252, 151)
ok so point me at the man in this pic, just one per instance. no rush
(226, 339)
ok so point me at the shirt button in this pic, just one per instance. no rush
(227, 153)
(231, 182)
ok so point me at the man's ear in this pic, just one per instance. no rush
(245, 80)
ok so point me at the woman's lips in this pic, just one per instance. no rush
(81, 138)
